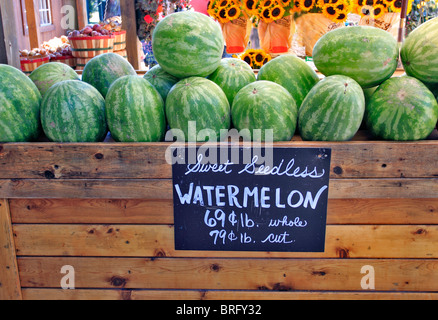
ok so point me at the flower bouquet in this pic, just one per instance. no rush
(235, 23)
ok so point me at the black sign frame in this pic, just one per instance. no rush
(269, 200)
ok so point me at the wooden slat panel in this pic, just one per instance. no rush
(9, 279)
(132, 211)
(349, 241)
(105, 211)
(126, 294)
(231, 274)
(352, 159)
(162, 188)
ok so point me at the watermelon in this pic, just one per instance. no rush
(292, 73)
(366, 54)
(419, 52)
(396, 112)
(161, 80)
(264, 105)
(73, 111)
(135, 111)
(188, 43)
(102, 70)
(197, 110)
(332, 111)
(50, 73)
(232, 75)
(20, 103)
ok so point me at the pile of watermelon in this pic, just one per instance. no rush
(193, 94)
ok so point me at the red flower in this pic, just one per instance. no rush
(148, 19)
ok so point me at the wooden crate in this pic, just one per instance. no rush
(106, 209)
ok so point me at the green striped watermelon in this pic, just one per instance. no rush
(292, 73)
(188, 44)
(135, 111)
(261, 106)
(332, 111)
(50, 73)
(73, 111)
(197, 107)
(366, 54)
(419, 52)
(19, 106)
(161, 80)
(402, 108)
(232, 75)
(104, 69)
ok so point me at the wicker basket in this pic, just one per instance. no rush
(89, 47)
(236, 34)
(68, 60)
(120, 40)
(122, 53)
(389, 22)
(276, 37)
(312, 26)
(29, 65)
(81, 62)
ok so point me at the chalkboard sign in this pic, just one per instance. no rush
(248, 199)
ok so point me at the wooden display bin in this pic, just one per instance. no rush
(106, 210)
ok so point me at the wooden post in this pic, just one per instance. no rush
(81, 9)
(129, 23)
(10, 288)
(32, 15)
(10, 32)
(402, 27)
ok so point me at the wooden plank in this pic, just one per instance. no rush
(33, 23)
(104, 211)
(9, 278)
(129, 23)
(133, 211)
(342, 241)
(11, 32)
(232, 274)
(82, 15)
(353, 159)
(127, 294)
(161, 189)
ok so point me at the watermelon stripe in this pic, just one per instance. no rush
(19, 106)
(50, 73)
(366, 54)
(232, 75)
(419, 52)
(292, 73)
(201, 100)
(73, 111)
(188, 44)
(332, 111)
(102, 70)
(395, 112)
(265, 105)
(135, 111)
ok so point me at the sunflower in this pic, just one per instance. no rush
(396, 6)
(221, 16)
(277, 12)
(246, 57)
(329, 11)
(250, 5)
(306, 5)
(341, 16)
(232, 12)
(266, 15)
(266, 3)
(223, 3)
